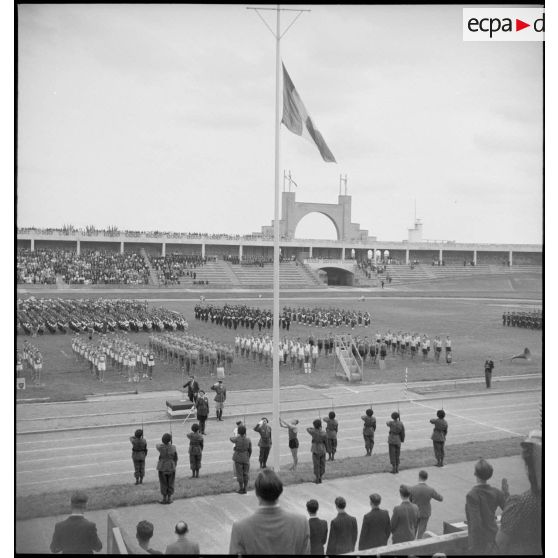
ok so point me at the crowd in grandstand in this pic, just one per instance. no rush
(91, 267)
(235, 315)
(39, 315)
(171, 268)
(529, 320)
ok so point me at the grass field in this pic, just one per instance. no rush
(118, 495)
(474, 325)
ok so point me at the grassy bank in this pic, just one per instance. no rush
(122, 495)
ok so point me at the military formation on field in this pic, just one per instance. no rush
(52, 315)
(237, 315)
(529, 320)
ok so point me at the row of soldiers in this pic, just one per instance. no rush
(529, 320)
(130, 360)
(191, 352)
(323, 441)
(32, 358)
(237, 315)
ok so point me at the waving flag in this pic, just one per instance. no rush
(297, 119)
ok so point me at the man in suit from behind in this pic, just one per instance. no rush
(270, 529)
(404, 519)
(76, 535)
(182, 545)
(318, 528)
(421, 494)
(343, 530)
(376, 527)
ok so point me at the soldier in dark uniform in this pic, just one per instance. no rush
(220, 397)
(264, 444)
(318, 449)
(241, 458)
(368, 431)
(202, 409)
(395, 438)
(166, 467)
(488, 367)
(139, 452)
(193, 389)
(332, 426)
(195, 450)
(439, 436)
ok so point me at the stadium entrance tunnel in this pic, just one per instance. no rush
(338, 277)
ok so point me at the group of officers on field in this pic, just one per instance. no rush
(323, 442)
(529, 320)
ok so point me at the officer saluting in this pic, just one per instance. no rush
(220, 397)
(139, 452)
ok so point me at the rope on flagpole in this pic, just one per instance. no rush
(406, 382)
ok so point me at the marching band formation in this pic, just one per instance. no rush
(37, 316)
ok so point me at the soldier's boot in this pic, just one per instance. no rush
(137, 480)
(141, 480)
(393, 469)
(441, 462)
(333, 456)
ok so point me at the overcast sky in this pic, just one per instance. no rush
(162, 117)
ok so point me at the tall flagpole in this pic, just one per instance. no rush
(276, 384)
(275, 454)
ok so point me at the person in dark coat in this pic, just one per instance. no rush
(264, 430)
(166, 467)
(395, 438)
(76, 535)
(488, 368)
(404, 519)
(202, 410)
(439, 436)
(241, 457)
(343, 530)
(368, 430)
(195, 450)
(318, 449)
(318, 528)
(480, 509)
(332, 426)
(193, 389)
(376, 527)
(421, 494)
(139, 453)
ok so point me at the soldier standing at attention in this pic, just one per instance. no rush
(195, 450)
(368, 430)
(332, 426)
(264, 444)
(139, 452)
(166, 467)
(220, 397)
(318, 449)
(395, 438)
(488, 367)
(439, 436)
(241, 458)
(202, 409)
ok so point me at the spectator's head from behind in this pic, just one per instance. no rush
(268, 487)
(369, 412)
(331, 415)
(241, 430)
(195, 427)
(144, 532)
(78, 501)
(340, 503)
(317, 424)
(441, 414)
(166, 438)
(138, 433)
(375, 500)
(312, 507)
(395, 415)
(423, 475)
(404, 492)
(483, 470)
(181, 528)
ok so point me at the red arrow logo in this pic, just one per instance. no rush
(519, 25)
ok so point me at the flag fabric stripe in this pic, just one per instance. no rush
(298, 121)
